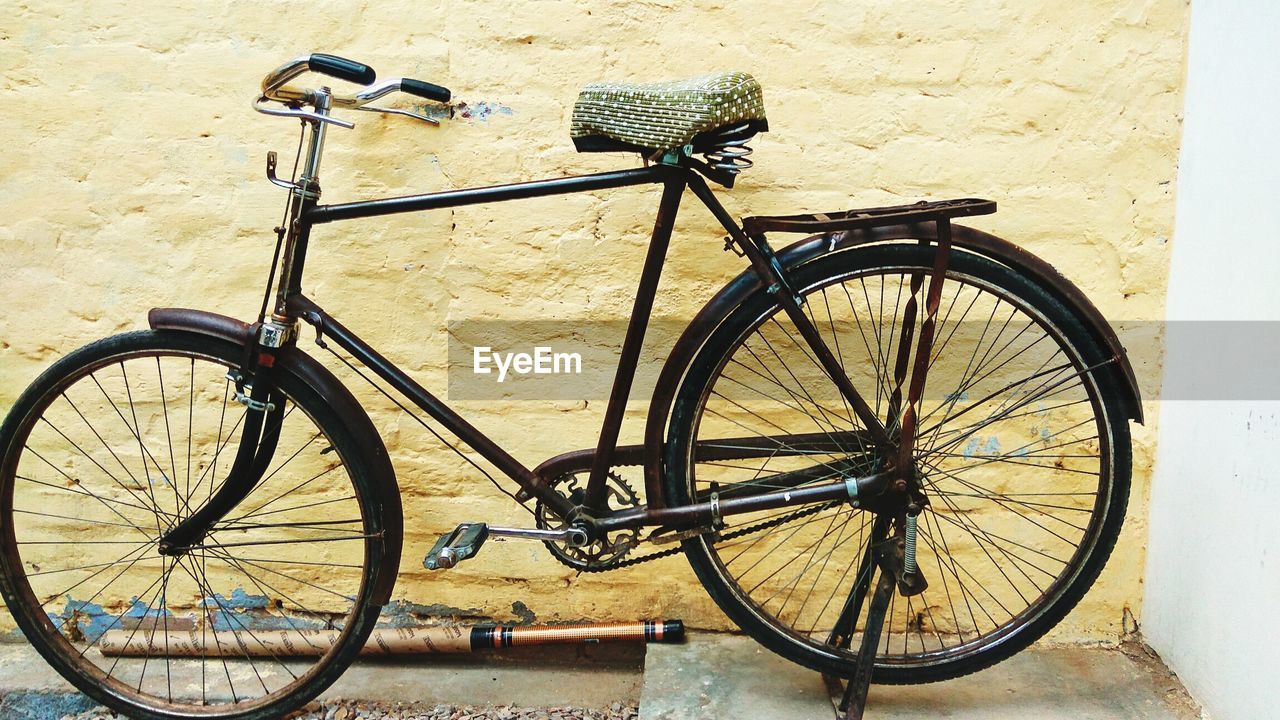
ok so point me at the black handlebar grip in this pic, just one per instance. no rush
(342, 68)
(425, 90)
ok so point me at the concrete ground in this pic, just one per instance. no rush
(712, 677)
(718, 677)
(589, 677)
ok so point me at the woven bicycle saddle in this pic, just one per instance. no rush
(665, 115)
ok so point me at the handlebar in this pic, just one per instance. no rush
(342, 68)
(425, 90)
(275, 87)
(331, 65)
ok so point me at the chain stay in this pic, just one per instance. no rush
(766, 525)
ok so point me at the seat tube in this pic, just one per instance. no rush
(305, 195)
(672, 190)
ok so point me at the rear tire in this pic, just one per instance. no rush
(1024, 509)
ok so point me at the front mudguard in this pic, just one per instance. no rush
(383, 490)
(811, 248)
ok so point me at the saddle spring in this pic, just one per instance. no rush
(727, 149)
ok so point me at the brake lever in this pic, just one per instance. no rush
(397, 111)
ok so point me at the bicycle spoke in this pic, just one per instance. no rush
(244, 650)
(132, 557)
(168, 434)
(294, 507)
(143, 452)
(1006, 503)
(84, 492)
(219, 550)
(257, 510)
(106, 445)
(806, 549)
(155, 508)
(861, 545)
(817, 575)
(76, 519)
(266, 588)
(811, 559)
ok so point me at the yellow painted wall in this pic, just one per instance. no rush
(132, 177)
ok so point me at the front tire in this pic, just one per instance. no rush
(122, 439)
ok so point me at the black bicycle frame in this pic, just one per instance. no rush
(674, 178)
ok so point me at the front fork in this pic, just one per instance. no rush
(264, 416)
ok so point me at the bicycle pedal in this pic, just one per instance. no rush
(454, 547)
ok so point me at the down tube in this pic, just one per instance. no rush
(325, 324)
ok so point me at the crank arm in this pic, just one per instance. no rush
(574, 536)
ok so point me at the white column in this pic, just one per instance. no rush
(1213, 562)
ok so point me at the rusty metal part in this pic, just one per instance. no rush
(884, 554)
(264, 410)
(904, 349)
(854, 701)
(924, 348)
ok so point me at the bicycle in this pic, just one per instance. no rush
(790, 452)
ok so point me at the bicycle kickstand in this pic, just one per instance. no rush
(854, 699)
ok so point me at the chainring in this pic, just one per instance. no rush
(606, 552)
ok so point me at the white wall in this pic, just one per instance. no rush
(1213, 564)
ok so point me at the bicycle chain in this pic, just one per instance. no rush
(775, 522)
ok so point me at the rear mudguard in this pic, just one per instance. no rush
(811, 248)
(383, 490)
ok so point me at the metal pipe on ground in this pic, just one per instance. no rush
(383, 641)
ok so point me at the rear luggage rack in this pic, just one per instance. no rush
(814, 223)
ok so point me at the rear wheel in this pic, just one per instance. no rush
(121, 440)
(1023, 454)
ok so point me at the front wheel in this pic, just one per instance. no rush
(1022, 455)
(121, 440)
